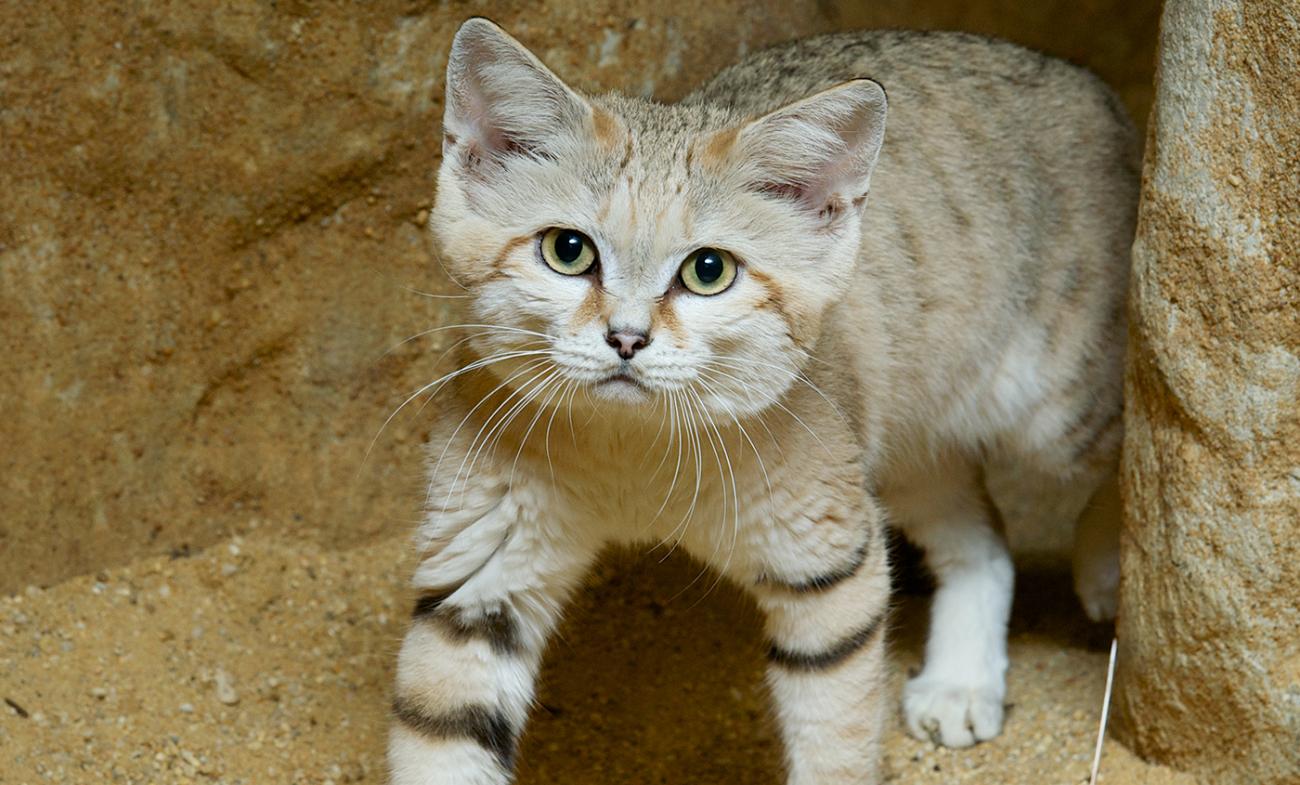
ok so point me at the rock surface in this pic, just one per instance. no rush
(1210, 612)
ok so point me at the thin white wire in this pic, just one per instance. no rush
(1105, 712)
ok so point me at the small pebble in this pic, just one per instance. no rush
(187, 708)
(226, 688)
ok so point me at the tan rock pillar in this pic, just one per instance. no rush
(1209, 629)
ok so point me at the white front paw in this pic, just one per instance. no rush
(950, 713)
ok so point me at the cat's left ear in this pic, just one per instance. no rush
(820, 151)
(501, 100)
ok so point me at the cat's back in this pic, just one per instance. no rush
(926, 74)
(986, 115)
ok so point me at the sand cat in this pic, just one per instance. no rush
(813, 299)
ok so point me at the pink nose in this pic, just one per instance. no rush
(627, 342)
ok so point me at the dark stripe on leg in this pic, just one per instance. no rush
(496, 626)
(479, 724)
(428, 604)
(841, 651)
(825, 581)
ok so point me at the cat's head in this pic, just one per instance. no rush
(640, 251)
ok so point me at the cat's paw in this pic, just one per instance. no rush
(950, 713)
(1096, 581)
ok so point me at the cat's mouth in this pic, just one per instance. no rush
(622, 385)
(623, 378)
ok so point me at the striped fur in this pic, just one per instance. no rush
(828, 658)
(496, 626)
(479, 724)
(826, 670)
(823, 580)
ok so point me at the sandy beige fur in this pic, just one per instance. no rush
(926, 284)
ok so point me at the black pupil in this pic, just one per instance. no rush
(568, 247)
(708, 266)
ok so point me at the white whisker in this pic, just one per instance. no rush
(481, 363)
(735, 496)
(777, 404)
(484, 399)
(492, 439)
(487, 426)
(555, 381)
(734, 363)
(697, 405)
(567, 392)
(413, 290)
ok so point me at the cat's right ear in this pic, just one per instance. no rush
(820, 151)
(502, 101)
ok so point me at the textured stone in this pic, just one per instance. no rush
(210, 214)
(1209, 629)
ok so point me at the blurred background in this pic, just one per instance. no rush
(212, 250)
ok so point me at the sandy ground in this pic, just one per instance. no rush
(261, 661)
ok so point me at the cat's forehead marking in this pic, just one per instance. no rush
(605, 128)
(713, 149)
(647, 204)
(627, 152)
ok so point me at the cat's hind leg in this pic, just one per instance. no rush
(957, 698)
(1083, 460)
(1095, 559)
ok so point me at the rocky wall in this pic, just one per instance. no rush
(1209, 630)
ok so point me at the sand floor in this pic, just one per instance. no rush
(259, 661)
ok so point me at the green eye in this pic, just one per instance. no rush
(708, 271)
(568, 252)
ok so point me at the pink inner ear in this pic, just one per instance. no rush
(827, 205)
(791, 191)
(488, 139)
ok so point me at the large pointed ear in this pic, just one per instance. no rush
(501, 100)
(819, 151)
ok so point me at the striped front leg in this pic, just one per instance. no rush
(827, 666)
(466, 669)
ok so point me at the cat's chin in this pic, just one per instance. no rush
(622, 389)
